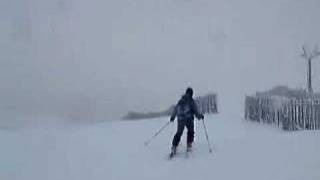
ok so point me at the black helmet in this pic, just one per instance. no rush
(189, 91)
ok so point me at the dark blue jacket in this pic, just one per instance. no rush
(186, 109)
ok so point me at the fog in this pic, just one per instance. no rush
(96, 60)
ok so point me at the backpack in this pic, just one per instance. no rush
(184, 109)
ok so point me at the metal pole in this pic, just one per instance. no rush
(207, 137)
(156, 134)
(310, 90)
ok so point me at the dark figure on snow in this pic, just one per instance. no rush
(185, 110)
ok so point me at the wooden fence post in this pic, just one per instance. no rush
(317, 123)
(316, 114)
(313, 115)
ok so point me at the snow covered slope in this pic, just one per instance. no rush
(115, 151)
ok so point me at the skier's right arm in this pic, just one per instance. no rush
(173, 114)
(196, 111)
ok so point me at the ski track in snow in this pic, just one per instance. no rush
(116, 151)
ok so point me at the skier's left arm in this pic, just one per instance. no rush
(196, 111)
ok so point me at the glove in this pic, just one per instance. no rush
(201, 116)
(171, 119)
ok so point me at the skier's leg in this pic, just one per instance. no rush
(177, 136)
(190, 134)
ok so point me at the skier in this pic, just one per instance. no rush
(185, 110)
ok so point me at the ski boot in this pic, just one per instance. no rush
(189, 147)
(173, 151)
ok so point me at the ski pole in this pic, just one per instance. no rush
(156, 134)
(205, 130)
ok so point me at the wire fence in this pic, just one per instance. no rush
(207, 104)
(289, 114)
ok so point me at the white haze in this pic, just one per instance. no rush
(98, 59)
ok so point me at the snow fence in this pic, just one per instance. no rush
(289, 114)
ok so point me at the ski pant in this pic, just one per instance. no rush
(189, 124)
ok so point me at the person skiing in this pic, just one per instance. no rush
(185, 110)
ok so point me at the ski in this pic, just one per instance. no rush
(171, 155)
(173, 152)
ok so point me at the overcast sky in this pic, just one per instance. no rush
(99, 59)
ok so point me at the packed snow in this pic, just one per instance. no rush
(79, 62)
(115, 151)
